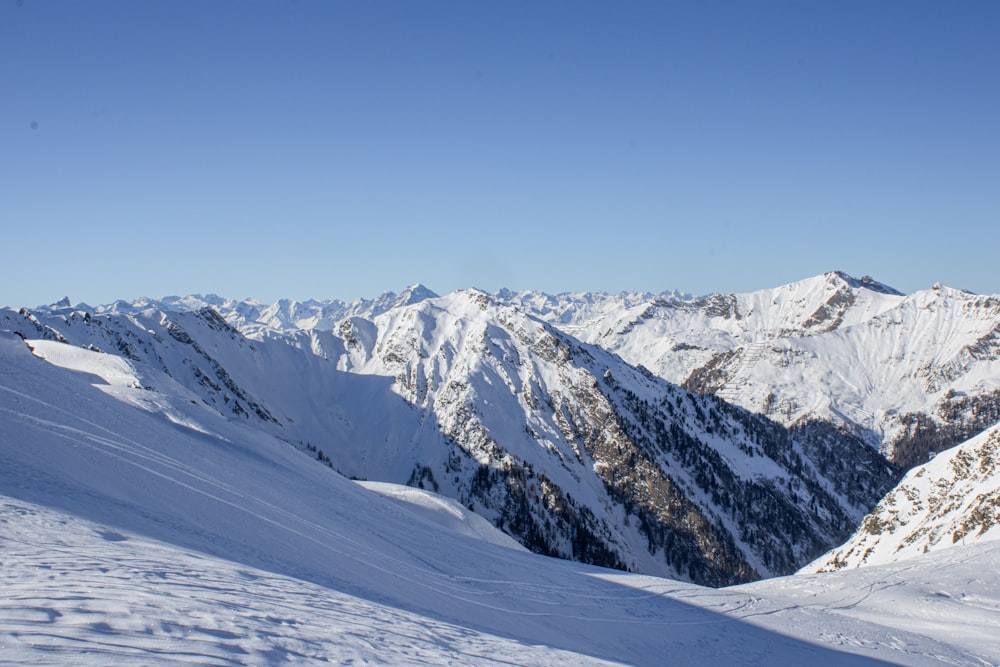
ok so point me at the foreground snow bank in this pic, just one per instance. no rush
(84, 593)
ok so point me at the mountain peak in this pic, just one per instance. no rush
(416, 292)
(865, 282)
(476, 296)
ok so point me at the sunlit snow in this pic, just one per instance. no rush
(126, 538)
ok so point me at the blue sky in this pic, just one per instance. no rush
(341, 149)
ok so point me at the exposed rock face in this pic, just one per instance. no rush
(952, 499)
(957, 418)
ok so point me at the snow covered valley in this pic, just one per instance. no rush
(175, 480)
(165, 534)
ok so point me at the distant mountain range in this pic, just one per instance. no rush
(715, 439)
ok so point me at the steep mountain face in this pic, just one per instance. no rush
(673, 334)
(952, 499)
(275, 384)
(910, 375)
(646, 474)
(170, 535)
(561, 444)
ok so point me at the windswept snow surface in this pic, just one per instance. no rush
(952, 595)
(130, 538)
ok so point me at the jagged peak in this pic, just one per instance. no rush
(63, 307)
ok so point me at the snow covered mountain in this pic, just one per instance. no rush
(140, 525)
(952, 499)
(254, 318)
(580, 455)
(561, 444)
(538, 412)
(910, 375)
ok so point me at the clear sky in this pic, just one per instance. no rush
(340, 149)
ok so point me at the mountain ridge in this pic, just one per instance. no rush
(558, 417)
(172, 534)
(561, 444)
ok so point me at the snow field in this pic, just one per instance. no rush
(128, 539)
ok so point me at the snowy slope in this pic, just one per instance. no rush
(910, 375)
(131, 537)
(443, 511)
(673, 334)
(952, 499)
(951, 595)
(561, 445)
(566, 438)
(272, 384)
